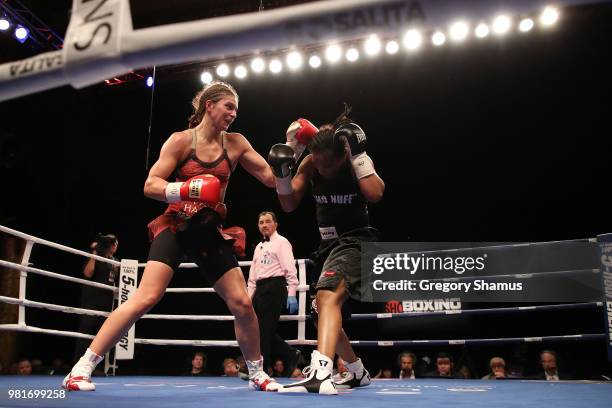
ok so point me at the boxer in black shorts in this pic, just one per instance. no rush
(343, 181)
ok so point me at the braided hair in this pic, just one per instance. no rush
(325, 140)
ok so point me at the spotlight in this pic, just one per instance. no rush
(294, 60)
(21, 33)
(206, 77)
(372, 45)
(333, 53)
(526, 25)
(482, 30)
(413, 39)
(314, 61)
(438, 38)
(240, 72)
(549, 16)
(276, 66)
(4, 24)
(223, 70)
(459, 31)
(258, 65)
(501, 24)
(149, 81)
(392, 47)
(352, 54)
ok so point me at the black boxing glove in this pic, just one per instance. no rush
(282, 159)
(355, 141)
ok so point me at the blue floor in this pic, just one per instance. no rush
(220, 392)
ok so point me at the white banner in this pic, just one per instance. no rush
(124, 350)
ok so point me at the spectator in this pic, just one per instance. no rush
(384, 373)
(464, 372)
(278, 370)
(406, 362)
(548, 360)
(243, 370)
(444, 366)
(96, 298)
(58, 366)
(498, 369)
(297, 373)
(198, 365)
(230, 368)
(24, 367)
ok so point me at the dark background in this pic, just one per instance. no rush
(493, 140)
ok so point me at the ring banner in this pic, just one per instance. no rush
(605, 251)
(542, 272)
(128, 278)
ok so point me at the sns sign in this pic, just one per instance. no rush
(124, 350)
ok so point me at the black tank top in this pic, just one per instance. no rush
(340, 205)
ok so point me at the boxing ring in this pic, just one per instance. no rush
(275, 30)
(124, 392)
(173, 391)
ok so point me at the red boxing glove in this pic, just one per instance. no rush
(205, 188)
(299, 134)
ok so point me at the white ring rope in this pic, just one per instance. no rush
(51, 244)
(301, 318)
(59, 276)
(497, 246)
(101, 42)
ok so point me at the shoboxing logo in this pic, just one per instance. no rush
(424, 305)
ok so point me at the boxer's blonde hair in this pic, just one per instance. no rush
(214, 92)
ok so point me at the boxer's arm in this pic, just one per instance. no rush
(169, 157)
(254, 164)
(372, 187)
(299, 183)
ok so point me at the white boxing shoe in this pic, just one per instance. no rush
(262, 382)
(73, 382)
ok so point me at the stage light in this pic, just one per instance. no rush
(372, 45)
(314, 61)
(4, 24)
(294, 60)
(258, 65)
(412, 39)
(459, 31)
(438, 38)
(392, 47)
(549, 16)
(501, 24)
(275, 66)
(240, 72)
(206, 77)
(352, 54)
(223, 70)
(21, 33)
(482, 30)
(333, 53)
(149, 81)
(526, 25)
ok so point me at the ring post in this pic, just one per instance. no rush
(605, 252)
